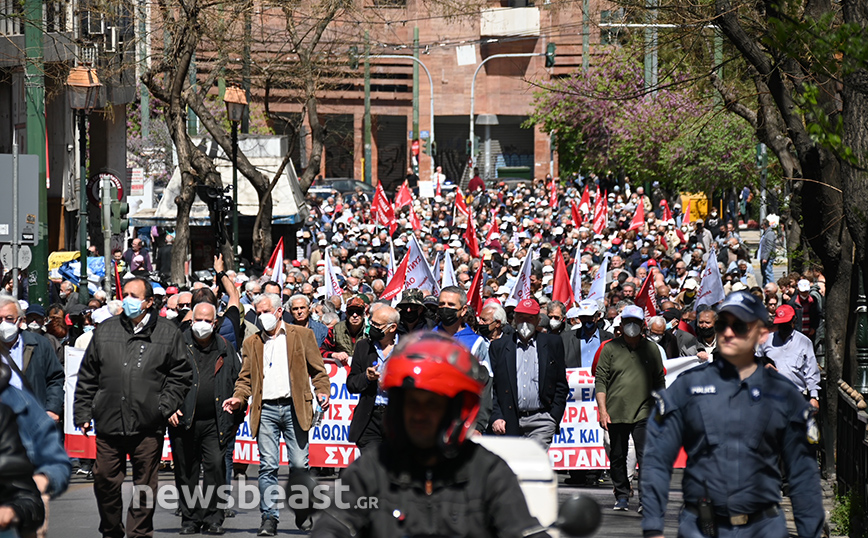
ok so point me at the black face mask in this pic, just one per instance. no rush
(375, 333)
(484, 331)
(705, 332)
(448, 316)
(410, 316)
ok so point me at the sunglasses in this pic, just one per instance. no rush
(739, 327)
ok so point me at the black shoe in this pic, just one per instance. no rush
(191, 528)
(303, 522)
(229, 513)
(213, 529)
(268, 527)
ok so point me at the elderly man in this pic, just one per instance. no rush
(581, 345)
(299, 306)
(629, 368)
(133, 377)
(137, 248)
(530, 382)
(369, 359)
(279, 364)
(340, 344)
(492, 320)
(201, 430)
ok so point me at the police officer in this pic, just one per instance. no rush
(736, 420)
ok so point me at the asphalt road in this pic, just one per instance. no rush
(75, 515)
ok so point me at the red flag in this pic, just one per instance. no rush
(585, 202)
(645, 299)
(384, 211)
(684, 326)
(667, 213)
(404, 196)
(474, 298)
(396, 284)
(663, 242)
(119, 292)
(638, 218)
(577, 217)
(470, 238)
(553, 199)
(460, 204)
(438, 189)
(414, 220)
(493, 229)
(601, 214)
(275, 263)
(680, 236)
(561, 289)
(686, 219)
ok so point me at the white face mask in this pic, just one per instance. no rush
(202, 329)
(526, 330)
(33, 326)
(8, 331)
(268, 321)
(555, 324)
(171, 314)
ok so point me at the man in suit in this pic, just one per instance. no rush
(525, 404)
(279, 364)
(581, 345)
(369, 359)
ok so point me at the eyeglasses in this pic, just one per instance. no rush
(739, 327)
(351, 313)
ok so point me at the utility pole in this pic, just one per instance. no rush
(416, 94)
(245, 69)
(144, 96)
(34, 88)
(367, 134)
(651, 49)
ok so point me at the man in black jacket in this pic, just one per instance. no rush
(200, 429)
(133, 377)
(369, 359)
(530, 381)
(34, 364)
(581, 345)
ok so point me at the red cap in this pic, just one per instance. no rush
(296, 263)
(616, 241)
(652, 262)
(527, 306)
(491, 300)
(784, 314)
(171, 290)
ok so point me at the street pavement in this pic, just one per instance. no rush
(74, 514)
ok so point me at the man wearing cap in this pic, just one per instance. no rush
(340, 343)
(530, 382)
(737, 421)
(810, 309)
(628, 369)
(581, 345)
(793, 354)
(412, 310)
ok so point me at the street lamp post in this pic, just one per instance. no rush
(82, 89)
(236, 104)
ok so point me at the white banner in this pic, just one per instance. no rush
(521, 289)
(711, 288)
(419, 275)
(598, 285)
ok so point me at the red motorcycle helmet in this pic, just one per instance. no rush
(436, 363)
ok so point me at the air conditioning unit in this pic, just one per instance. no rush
(94, 23)
(112, 39)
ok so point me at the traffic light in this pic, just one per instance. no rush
(426, 147)
(119, 222)
(550, 55)
(354, 57)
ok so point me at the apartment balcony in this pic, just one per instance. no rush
(509, 22)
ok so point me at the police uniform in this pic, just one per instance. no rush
(734, 432)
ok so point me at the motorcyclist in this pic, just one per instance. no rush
(428, 478)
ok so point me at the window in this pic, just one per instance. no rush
(609, 35)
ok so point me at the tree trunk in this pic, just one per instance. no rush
(181, 250)
(317, 140)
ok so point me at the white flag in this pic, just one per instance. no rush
(332, 286)
(598, 285)
(448, 272)
(521, 289)
(419, 275)
(436, 269)
(576, 279)
(711, 288)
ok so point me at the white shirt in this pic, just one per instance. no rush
(141, 325)
(275, 366)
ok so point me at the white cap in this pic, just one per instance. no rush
(690, 284)
(399, 242)
(804, 285)
(323, 243)
(548, 269)
(738, 286)
(513, 262)
(455, 244)
(588, 307)
(558, 230)
(573, 313)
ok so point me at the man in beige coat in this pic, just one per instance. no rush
(279, 364)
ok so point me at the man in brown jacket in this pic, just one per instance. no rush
(279, 364)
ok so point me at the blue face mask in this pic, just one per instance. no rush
(132, 307)
(88, 328)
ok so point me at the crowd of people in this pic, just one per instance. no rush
(162, 353)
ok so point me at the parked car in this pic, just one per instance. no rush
(324, 187)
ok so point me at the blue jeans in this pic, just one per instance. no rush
(768, 271)
(277, 419)
(775, 527)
